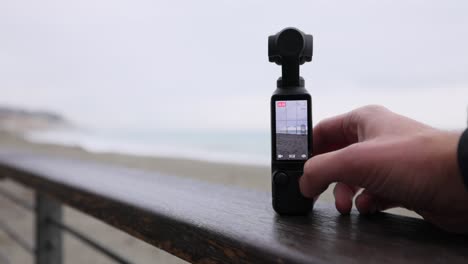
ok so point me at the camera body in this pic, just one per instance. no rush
(291, 122)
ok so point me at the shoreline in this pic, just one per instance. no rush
(244, 175)
(162, 144)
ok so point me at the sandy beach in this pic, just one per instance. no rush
(247, 176)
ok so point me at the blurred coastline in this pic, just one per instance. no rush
(244, 175)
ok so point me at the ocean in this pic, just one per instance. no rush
(243, 147)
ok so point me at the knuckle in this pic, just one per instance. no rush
(359, 119)
(350, 124)
(373, 108)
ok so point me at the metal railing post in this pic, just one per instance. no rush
(48, 236)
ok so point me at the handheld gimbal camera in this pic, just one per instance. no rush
(291, 121)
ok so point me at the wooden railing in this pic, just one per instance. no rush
(208, 223)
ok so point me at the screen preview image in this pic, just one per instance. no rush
(291, 130)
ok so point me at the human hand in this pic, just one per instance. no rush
(398, 162)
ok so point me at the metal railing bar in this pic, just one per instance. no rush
(4, 259)
(98, 247)
(17, 238)
(18, 201)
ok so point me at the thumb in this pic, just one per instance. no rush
(352, 165)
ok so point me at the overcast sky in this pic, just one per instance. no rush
(203, 64)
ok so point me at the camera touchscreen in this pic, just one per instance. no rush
(291, 130)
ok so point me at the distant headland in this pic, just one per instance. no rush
(16, 119)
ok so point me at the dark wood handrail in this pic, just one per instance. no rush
(209, 223)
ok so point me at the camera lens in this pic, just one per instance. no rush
(290, 41)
